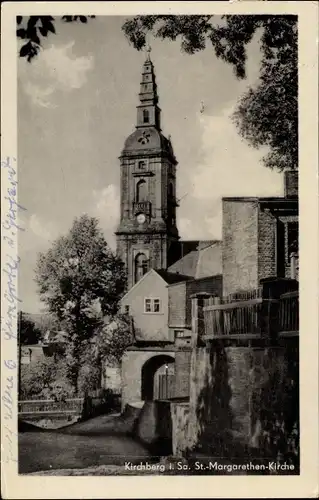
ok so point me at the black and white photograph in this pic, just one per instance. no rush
(153, 299)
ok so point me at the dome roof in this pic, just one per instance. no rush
(145, 139)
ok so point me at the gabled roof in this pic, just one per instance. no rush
(186, 265)
(167, 277)
(199, 259)
(151, 271)
(171, 278)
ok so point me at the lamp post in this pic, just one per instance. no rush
(166, 380)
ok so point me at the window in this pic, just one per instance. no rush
(141, 191)
(152, 305)
(156, 305)
(127, 309)
(148, 305)
(141, 266)
(142, 165)
(146, 116)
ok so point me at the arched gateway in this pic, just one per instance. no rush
(147, 375)
(156, 377)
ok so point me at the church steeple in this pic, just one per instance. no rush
(148, 112)
(147, 234)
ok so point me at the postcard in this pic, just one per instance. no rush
(159, 262)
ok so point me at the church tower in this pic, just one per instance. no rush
(147, 236)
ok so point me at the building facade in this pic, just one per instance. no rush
(260, 238)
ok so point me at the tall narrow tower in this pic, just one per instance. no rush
(147, 234)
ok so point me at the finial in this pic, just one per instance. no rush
(148, 50)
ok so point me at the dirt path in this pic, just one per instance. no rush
(102, 440)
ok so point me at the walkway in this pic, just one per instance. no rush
(99, 441)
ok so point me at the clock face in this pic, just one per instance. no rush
(140, 218)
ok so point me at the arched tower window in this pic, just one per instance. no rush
(141, 191)
(141, 266)
(146, 116)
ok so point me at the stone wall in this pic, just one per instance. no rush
(244, 401)
(154, 426)
(180, 422)
(182, 370)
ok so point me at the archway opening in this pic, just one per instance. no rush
(157, 378)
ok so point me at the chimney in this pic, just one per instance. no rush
(291, 183)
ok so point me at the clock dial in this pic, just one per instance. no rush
(140, 218)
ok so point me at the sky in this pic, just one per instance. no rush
(76, 106)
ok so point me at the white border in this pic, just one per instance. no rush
(305, 485)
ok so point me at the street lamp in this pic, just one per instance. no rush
(166, 379)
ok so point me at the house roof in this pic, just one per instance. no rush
(199, 259)
(171, 278)
(166, 276)
(186, 265)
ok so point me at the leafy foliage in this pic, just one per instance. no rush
(108, 345)
(267, 115)
(28, 332)
(46, 379)
(80, 281)
(34, 29)
(113, 338)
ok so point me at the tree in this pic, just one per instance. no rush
(267, 115)
(81, 281)
(114, 338)
(33, 29)
(107, 346)
(28, 332)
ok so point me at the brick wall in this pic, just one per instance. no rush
(240, 244)
(177, 305)
(266, 244)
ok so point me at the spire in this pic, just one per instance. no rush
(148, 112)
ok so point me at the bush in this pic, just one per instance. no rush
(45, 379)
